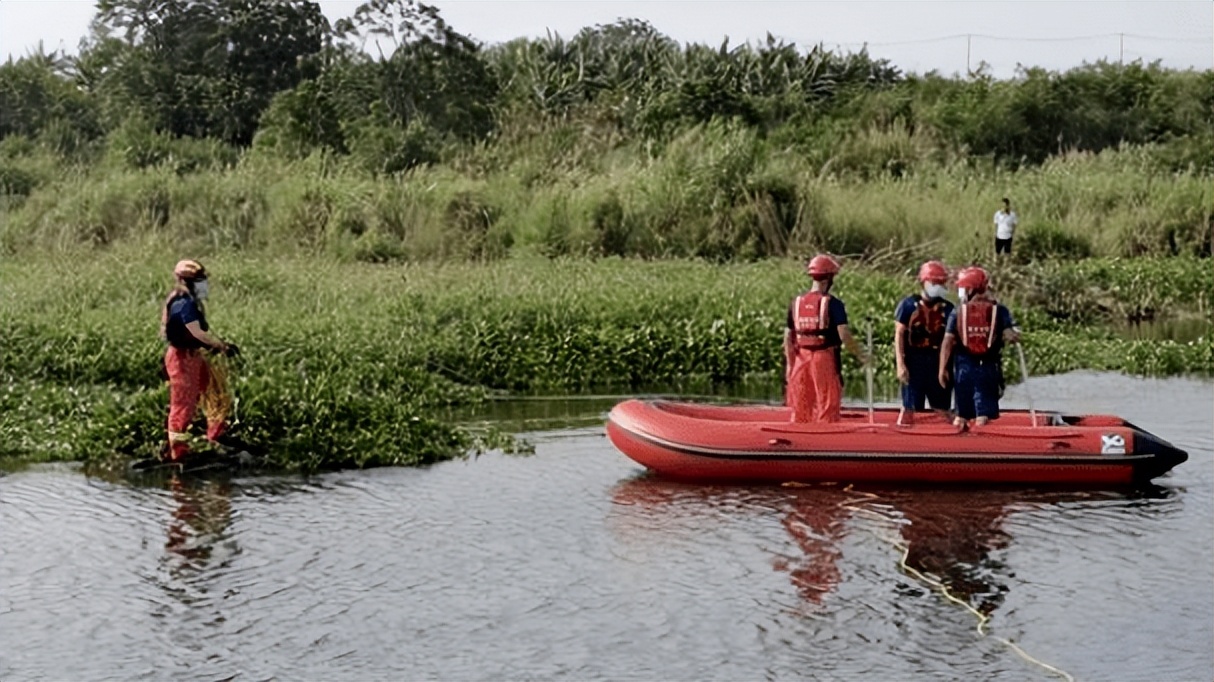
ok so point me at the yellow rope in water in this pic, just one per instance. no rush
(940, 587)
(983, 619)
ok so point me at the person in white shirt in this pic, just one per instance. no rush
(1005, 227)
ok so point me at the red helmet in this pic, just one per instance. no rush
(823, 266)
(973, 279)
(189, 270)
(933, 271)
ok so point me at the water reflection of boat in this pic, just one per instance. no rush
(816, 520)
(699, 442)
(952, 535)
(949, 536)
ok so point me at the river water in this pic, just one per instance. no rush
(572, 564)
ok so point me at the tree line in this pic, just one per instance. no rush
(395, 86)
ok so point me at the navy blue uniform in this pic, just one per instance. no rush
(183, 310)
(978, 379)
(923, 359)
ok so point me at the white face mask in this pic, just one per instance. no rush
(961, 293)
(934, 290)
(201, 289)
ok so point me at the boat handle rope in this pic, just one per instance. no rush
(997, 431)
(818, 430)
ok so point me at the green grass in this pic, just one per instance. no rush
(352, 364)
(719, 192)
(628, 212)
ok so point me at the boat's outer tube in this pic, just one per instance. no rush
(1164, 455)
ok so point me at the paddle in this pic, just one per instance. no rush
(868, 367)
(1024, 376)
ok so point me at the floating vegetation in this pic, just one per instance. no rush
(351, 365)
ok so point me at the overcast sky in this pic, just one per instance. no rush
(915, 35)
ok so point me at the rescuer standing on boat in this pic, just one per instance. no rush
(817, 327)
(978, 328)
(184, 325)
(918, 335)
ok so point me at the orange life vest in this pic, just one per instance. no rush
(976, 326)
(811, 321)
(926, 324)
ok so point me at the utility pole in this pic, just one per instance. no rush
(968, 71)
(1121, 49)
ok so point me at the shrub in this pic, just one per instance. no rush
(473, 219)
(611, 226)
(384, 148)
(136, 145)
(1041, 240)
(15, 181)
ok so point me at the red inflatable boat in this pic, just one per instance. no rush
(759, 443)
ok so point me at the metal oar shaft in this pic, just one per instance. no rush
(868, 369)
(1024, 375)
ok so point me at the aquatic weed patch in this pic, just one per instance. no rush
(323, 384)
(45, 421)
(1114, 290)
(1054, 353)
(352, 365)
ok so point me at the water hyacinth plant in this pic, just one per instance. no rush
(351, 364)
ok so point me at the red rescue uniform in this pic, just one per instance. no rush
(815, 381)
(189, 374)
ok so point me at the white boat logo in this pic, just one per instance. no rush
(1112, 444)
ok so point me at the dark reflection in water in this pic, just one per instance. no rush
(951, 538)
(816, 522)
(202, 513)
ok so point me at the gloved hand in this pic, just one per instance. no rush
(232, 350)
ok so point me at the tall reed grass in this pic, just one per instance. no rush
(719, 191)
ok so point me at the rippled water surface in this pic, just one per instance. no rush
(571, 564)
